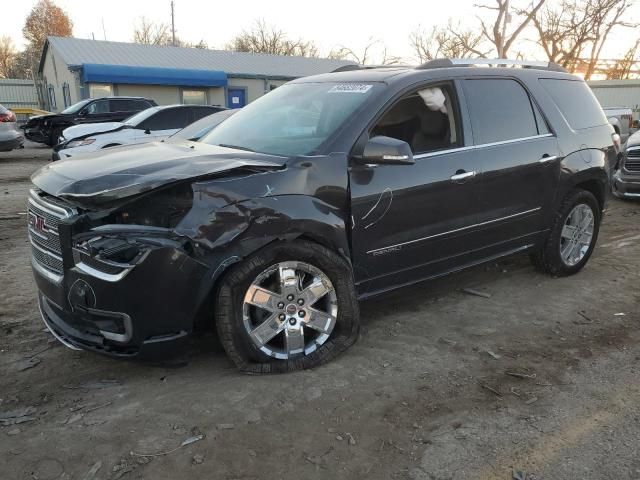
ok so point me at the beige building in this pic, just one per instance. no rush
(72, 69)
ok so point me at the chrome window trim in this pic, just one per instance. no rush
(488, 222)
(481, 145)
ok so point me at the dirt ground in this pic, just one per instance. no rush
(538, 381)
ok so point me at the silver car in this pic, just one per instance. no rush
(10, 136)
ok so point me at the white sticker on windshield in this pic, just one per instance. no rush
(350, 88)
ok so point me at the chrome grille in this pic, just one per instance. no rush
(632, 162)
(44, 217)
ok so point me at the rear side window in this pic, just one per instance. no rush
(576, 101)
(123, 106)
(500, 110)
(169, 119)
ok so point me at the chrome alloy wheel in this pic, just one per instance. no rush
(290, 309)
(576, 235)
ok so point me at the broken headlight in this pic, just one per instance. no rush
(110, 258)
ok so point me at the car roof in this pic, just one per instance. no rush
(119, 97)
(392, 74)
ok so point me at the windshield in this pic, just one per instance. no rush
(203, 126)
(76, 106)
(294, 119)
(138, 118)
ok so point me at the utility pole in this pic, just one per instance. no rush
(506, 20)
(173, 26)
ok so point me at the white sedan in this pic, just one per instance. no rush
(152, 124)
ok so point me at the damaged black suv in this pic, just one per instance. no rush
(325, 191)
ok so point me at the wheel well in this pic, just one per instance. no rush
(616, 129)
(595, 188)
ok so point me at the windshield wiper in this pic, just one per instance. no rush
(237, 147)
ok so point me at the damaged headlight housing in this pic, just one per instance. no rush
(80, 143)
(109, 258)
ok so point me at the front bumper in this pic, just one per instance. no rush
(35, 135)
(625, 185)
(148, 313)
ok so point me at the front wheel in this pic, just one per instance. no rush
(289, 307)
(572, 237)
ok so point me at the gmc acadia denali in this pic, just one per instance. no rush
(327, 190)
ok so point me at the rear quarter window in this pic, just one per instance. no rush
(576, 102)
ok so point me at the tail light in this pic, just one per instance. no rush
(9, 116)
(616, 142)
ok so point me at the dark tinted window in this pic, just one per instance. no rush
(200, 112)
(500, 110)
(576, 101)
(142, 104)
(125, 106)
(168, 119)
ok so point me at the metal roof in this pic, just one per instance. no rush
(78, 51)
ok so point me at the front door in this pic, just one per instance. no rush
(411, 222)
(236, 97)
(521, 161)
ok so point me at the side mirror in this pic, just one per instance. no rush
(382, 150)
(83, 113)
(147, 132)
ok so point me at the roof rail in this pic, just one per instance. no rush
(348, 68)
(469, 62)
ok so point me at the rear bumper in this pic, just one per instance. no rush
(625, 185)
(12, 143)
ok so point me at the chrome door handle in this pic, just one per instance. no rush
(547, 158)
(463, 176)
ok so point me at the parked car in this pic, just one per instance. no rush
(329, 189)
(200, 128)
(626, 179)
(152, 124)
(622, 121)
(47, 128)
(10, 136)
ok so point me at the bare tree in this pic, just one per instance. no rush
(7, 56)
(367, 55)
(264, 38)
(606, 15)
(622, 69)
(572, 33)
(496, 32)
(564, 31)
(151, 33)
(451, 41)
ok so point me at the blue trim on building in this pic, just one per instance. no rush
(130, 74)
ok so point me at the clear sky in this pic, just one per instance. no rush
(329, 23)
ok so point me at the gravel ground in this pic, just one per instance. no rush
(539, 381)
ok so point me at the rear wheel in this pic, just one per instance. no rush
(573, 235)
(291, 306)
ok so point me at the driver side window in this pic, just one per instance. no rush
(425, 119)
(101, 106)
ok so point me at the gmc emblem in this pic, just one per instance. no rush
(37, 223)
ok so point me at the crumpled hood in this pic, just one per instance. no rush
(120, 172)
(89, 128)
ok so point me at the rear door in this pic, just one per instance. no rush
(122, 108)
(521, 160)
(411, 222)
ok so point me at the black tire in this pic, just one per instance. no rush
(53, 138)
(548, 258)
(229, 300)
